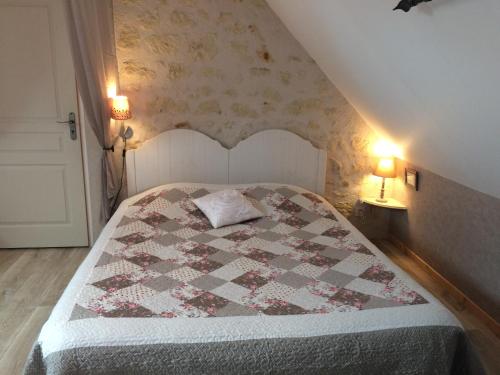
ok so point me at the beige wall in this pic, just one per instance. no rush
(429, 78)
(229, 69)
(456, 230)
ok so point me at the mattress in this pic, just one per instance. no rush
(297, 291)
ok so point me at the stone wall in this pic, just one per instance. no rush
(229, 68)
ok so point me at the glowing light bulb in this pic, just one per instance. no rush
(111, 90)
(384, 149)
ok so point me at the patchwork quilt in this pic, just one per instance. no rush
(298, 291)
(165, 260)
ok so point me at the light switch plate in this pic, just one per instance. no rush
(411, 178)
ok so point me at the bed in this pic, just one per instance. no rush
(298, 291)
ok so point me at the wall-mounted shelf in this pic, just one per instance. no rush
(391, 203)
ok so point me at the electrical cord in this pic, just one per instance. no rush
(121, 177)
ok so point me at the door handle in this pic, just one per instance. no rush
(72, 125)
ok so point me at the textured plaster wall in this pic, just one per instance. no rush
(229, 68)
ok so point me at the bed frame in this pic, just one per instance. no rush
(182, 155)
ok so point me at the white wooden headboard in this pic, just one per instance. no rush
(182, 155)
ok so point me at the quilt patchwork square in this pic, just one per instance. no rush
(208, 302)
(294, 280)
(205, 265)
(114, 283)
(223, 257)
(251, 280)
(207, 282)
(143, 259)
(162, 283)
(284, 308)
(232, 292)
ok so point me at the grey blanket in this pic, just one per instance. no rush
(416, 350)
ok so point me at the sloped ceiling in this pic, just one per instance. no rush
(429, 79)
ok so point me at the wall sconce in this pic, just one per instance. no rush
(120, 110)
(384, 168)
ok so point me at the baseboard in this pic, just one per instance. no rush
(467, 303)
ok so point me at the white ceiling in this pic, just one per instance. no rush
(429, 79)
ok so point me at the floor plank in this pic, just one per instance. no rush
(12, 317)
(32, 280)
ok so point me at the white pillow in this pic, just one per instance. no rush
(226, 207)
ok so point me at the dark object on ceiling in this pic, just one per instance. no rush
(406, 5)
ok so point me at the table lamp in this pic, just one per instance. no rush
(384, 168)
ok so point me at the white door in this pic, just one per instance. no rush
(42, 201)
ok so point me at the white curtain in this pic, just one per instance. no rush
(93, 48)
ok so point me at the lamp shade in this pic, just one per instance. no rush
(385, 167)
(120, 109)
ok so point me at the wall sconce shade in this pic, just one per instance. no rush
(120, 109)
(385, 167)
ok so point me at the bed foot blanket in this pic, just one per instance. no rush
(422, 350)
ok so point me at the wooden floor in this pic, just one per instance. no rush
(31, 282)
